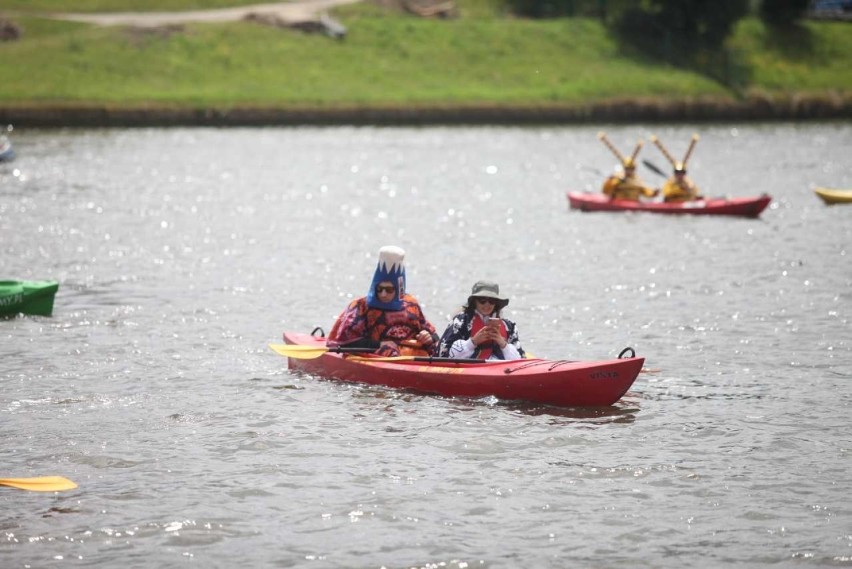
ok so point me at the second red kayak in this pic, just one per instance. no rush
(553, 382)
(745, 207)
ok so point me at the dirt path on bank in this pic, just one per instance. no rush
(293, 12)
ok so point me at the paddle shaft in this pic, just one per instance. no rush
(653, 167)
(344, 350)
(425, 359)
(303, 352)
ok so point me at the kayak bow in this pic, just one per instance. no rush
(831, 196)
(28, 297)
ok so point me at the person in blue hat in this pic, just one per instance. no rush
(479, 331)
(387, 318)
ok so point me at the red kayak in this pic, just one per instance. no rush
(553, 382)
(746, 207)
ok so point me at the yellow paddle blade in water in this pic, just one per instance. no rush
(40, 484)
(310, 352)
(299, 352)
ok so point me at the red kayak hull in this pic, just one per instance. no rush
(560, 383)
(744, 207)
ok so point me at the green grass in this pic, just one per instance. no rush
(388, 58)
(813, 58)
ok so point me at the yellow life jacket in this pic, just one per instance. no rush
(626, 188)
(684, 190)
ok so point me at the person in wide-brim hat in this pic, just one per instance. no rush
(486, 289)
(478, 331)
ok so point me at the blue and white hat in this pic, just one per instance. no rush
(392, 269)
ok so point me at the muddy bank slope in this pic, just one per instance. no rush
(622, 110)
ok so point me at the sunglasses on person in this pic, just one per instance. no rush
(383, 288)
(485, 300)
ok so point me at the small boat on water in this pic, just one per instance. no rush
(744, 207)
(27, 297)
(552, 382)
(832, 196)
(7, 153)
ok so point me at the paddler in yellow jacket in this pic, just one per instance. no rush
(679, 188)
(625, 184)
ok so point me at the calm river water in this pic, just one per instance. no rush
(182, 253)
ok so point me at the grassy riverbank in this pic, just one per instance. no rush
(391, 60)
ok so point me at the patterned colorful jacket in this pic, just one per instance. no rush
(362, 326)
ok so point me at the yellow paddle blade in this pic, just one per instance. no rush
(40, 484)
(298, 352)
